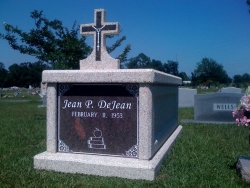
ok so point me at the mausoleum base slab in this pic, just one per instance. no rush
(106, 165)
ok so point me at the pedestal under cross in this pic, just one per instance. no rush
(99, 29)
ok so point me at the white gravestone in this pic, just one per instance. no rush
(186, 97)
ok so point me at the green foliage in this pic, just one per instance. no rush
(123, 56)
(171, 67)
(25, 74)
(242, 80)
(49, 42)
(184, 76)
(53, 43)
(142, 61)
(3, 75)
(138, 62)
(209, 90)
(208, 72)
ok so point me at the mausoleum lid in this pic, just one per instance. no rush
(110, 76)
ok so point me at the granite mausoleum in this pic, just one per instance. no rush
(107, 121)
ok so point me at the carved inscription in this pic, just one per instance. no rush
(98, 124)
(224, 106)
(100, 104)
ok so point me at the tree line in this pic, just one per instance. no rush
(22, 75)
(207, 72)
(57, 47)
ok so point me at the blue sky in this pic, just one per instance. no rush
(186, 30)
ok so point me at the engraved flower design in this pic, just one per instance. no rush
(132, 152)
(62, 146)
(133, 89)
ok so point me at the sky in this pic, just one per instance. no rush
(182, 30)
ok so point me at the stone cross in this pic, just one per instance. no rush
(99, 29)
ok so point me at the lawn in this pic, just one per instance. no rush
(203, 156)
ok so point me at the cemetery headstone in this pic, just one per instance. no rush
(43, 88)
(186, 97)
(44, 100)
(102, 120)
(42, 94)
(16, 94)
(231, 90)
(215, 107)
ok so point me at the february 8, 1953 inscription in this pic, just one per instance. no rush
(105, 125)
(80, 108)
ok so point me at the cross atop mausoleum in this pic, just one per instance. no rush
(99, 29)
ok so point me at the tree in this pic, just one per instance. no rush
(26, 74)
(242, 80)
(184, 76)
(3, 75)
(171, 67)
(237, 79)
(53, 43)
(246, 78)
(209, 71)
(123, 56)
(193, 79)
(142, 61)
(156, 64)
(138, 62)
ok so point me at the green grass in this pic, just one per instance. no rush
(203, 156)
(205, 91)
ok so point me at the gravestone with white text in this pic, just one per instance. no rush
(216, 107)
(107, 121)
